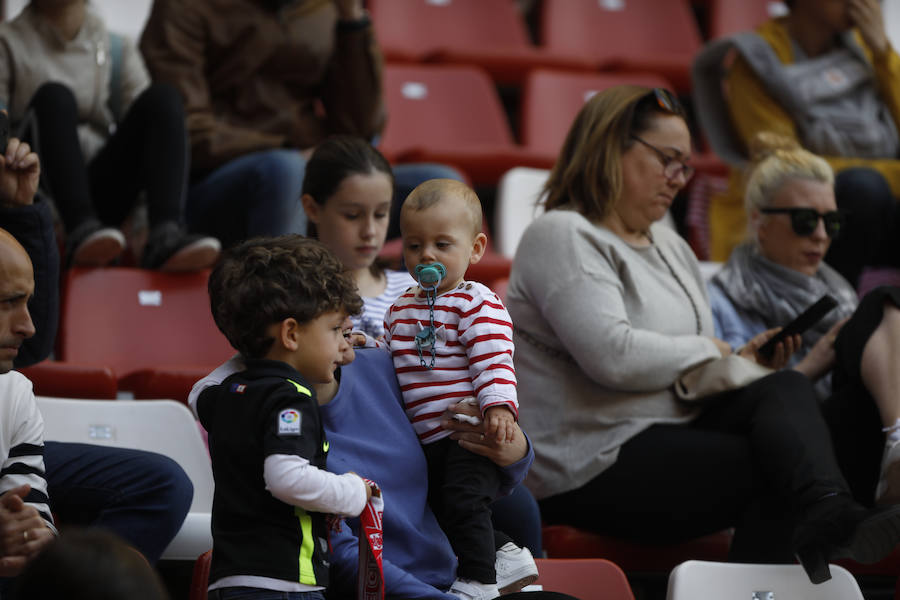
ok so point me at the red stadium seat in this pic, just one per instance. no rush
(552, 99)
(563, 541)
(131, 320)
(69, 380)
(625, 35)
(200, 576)
(584, 578)
(731, 16)
(451, 115)
(488, 33)
(889, 566)
(173, 383)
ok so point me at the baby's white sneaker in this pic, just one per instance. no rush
(469, 589)
(515, 568)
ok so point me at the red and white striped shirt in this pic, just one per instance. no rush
(473, 354)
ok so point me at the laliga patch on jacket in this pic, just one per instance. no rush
(289, 422)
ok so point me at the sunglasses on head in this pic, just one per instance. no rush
(805, 220)
(667, 101)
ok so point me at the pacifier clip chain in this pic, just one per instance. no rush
(429, 277)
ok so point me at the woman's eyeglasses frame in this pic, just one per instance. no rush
(671, 165)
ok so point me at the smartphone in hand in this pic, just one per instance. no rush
(798, 326)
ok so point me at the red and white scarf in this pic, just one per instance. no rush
(370, 585)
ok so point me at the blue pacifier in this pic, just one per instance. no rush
(429, 277)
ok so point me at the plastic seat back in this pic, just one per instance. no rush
(133, 319)
(551, 101)
(449, 114)
(200, 576)
(517, 206)
(442, 108)
(698, 579)
(584, 578)
(635, 35)
(416, 30)
(489, 33)
(162, 426)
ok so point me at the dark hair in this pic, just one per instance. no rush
(89, 564)
(265, 280)
(336, 159)
(588, 171)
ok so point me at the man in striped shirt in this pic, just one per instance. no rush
(448, 344)
(25, 519)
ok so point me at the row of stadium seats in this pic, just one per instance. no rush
(599, 579)
(644, 35)
(453, 114)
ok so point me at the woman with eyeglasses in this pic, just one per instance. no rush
(771, 279)
(610, 311)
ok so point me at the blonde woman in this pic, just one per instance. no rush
(772, 278)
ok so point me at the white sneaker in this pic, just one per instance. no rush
(99, 248)
(201, 253)
(469, 589)
(888, 490)
(515, 568)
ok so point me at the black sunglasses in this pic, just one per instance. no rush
(805, 220)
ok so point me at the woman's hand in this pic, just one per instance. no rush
(820, 358)
(473, 438)
(783, 349)
(866, 15)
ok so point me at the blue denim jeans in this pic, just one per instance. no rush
(141, 496)
(256, 194)
(259, 194)
(519, 517)
(247, 593)
(870, 236)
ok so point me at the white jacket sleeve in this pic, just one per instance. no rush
(294, 481)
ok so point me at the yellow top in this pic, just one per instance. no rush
(753, 110)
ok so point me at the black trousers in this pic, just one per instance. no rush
(148, 152)
(850, 411)
(871, 236)
(461, 486)
(751, 461)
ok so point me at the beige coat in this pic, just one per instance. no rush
(32, 53)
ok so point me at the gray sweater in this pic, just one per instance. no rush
(603, 330)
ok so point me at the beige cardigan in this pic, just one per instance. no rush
(623, 331)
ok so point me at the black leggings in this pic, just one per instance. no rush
(749, 461)
(148, 152)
